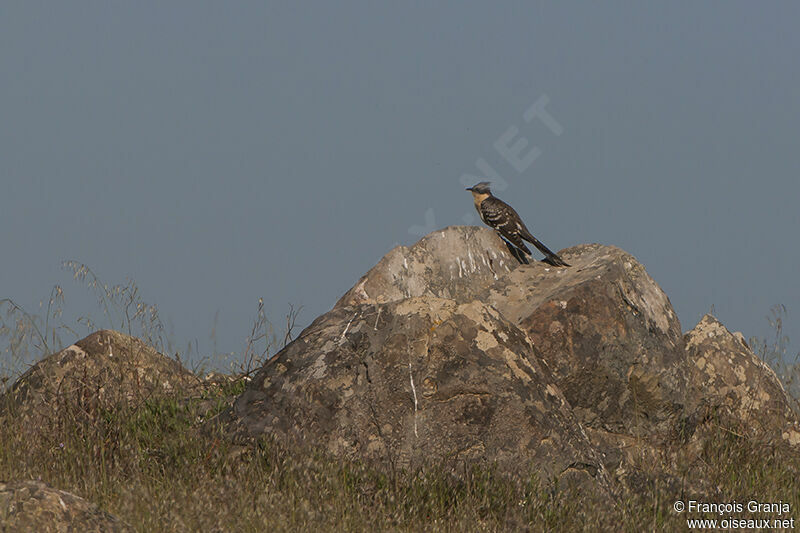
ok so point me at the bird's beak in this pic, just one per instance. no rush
(468, 189)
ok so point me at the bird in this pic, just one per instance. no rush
(501, 217)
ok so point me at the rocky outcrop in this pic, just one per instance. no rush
(35, 506)
(608, 332)
(726, 375)
(418, 381)
(107, 369)
(452, 350)
(730, 391)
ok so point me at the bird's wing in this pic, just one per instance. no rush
(504, 219)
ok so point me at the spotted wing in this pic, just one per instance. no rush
(502, 217)
(505, 220)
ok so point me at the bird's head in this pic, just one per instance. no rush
(481, 188)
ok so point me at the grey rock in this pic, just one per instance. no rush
(35, 506)
(457, 262)
(725, 374)
(450, 350)
(418, 381)
(105, 370)
(607, 330)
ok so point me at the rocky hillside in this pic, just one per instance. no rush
(447, 354)
(451, 351)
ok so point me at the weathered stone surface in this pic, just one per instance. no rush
(104, 370)
(457, 262)
(730, 391)
(34, 506)
(417, 381)
(726, 374)
(451, 349)
(608, 332)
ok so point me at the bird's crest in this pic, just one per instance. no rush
(481, 188)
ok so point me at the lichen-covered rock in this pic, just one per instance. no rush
(27, 506)
(726, 374)
(453, 350)
(607, 330)
(457, 262)
(107, 369)
(418, 381)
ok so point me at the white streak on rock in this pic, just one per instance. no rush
(361, 291)
(416, 404)
(341, 339)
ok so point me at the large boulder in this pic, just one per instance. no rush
(36, 506)
(729, 379)
(608, 332)
(452, 350)
(105, 370)
(605, 327)
(417, 381)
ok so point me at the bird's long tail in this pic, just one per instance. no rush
(550, 257)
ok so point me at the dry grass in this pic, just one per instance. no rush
(154, 468)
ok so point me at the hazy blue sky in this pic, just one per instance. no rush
(217, 152)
